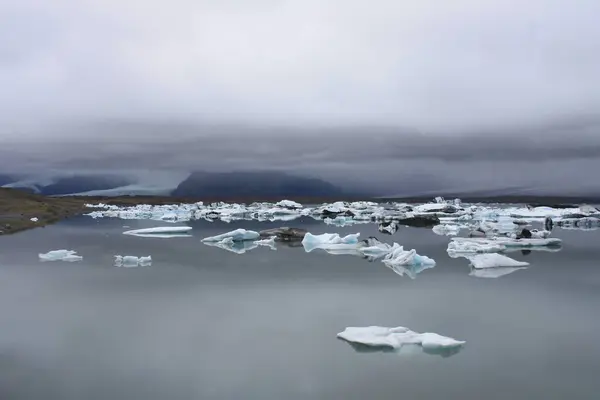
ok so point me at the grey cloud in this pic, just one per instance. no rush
(429, 65)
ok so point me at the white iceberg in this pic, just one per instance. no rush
(494, 272)
(494, 260)
(446, 230)
(238, 235)
(400, 257)
(396, 338)
(466, 247)
(377, 250)
(510, 242)
(288, 204)
(161, 232)
(132, 261)
(329, 241)
(60, 255)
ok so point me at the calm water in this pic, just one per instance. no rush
(203, 323)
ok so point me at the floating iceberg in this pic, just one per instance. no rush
(377, 250)
(494, 272)
(396, 338)
(462, 247)
(329, 241)
(400, 257)
(132, 261)
(446, 230)
(494, 260)
(288, 204)
(238, 235)
(510, 242)
(60, 255)
(161, 232)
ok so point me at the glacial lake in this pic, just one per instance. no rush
(204, 323)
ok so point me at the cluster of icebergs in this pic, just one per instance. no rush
(446, 217)
(491, 229)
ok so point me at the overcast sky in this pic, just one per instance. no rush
(398, 72)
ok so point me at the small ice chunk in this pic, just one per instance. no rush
(34, 219)
(400, 257)
(509, 242)
(132, 261)
(288, 204)
(60, 255)
(159, 230)
(446, 230)
(377, 250)
(494, 260)
(327, 240)
(543, 234)
(395, 338)
(457, 247)
(238, 235)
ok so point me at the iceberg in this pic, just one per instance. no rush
(288, 204)
(161, 232)
(60, 255)
(396, 338)
(446, 230)
(329, 241)
(494, 260)
(132, 261)
(238, 235)
(377, 250)
(510, 242)
(400, 257)
(460, 247)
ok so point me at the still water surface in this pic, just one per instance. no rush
(204, 323)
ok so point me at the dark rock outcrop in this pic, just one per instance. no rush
(420, 221)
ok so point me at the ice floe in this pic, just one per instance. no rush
(397, 338)
(132, 261)
(60, 255)
(329, 241)
(510, 242)
(161, 232)
(446, 230)
(400, 257)
(238, 235)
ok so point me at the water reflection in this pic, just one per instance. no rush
(443, 352)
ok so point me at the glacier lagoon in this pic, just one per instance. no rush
(202, 323)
